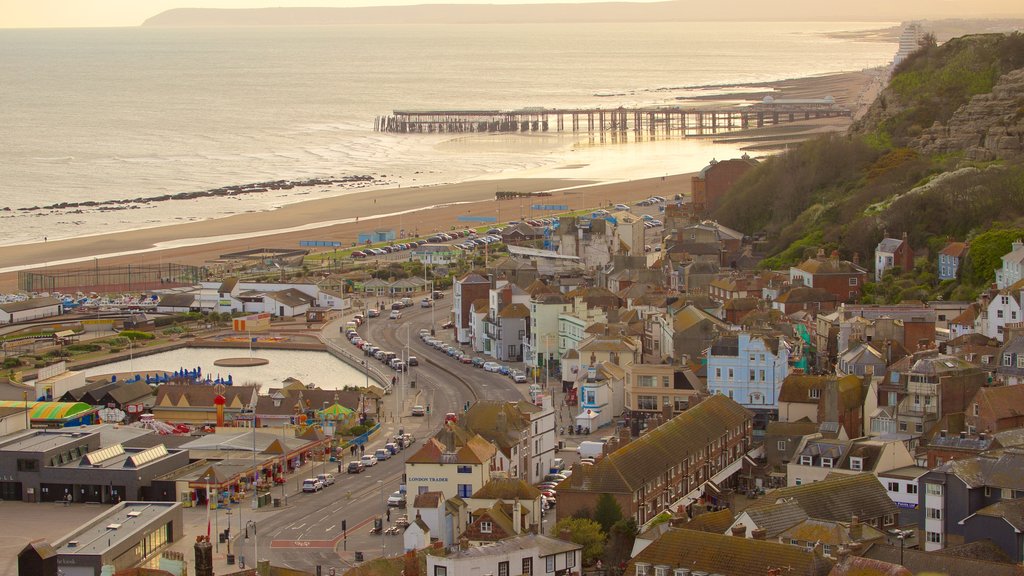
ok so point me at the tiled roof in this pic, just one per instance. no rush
(798, 428)
(919, 561)
(820, 266)
(803, 294)
(955, 249)
(515, 310)
(690, 316)
(291, 297)
(837, 498)
(729, 555)
(858, 566)
(177, 300)
(828, 532)
(889, 245)
(1001, 401)
(797, 387)
(1012, 511)
(968, 316)
(428, 500)
(717, 522)
(507, 489)
(227, 285)
(776, 518)
(623, 471)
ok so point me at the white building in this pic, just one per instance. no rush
(1013, 267)
(30, 309)
(525, 554)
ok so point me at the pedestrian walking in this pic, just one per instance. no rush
(389, 514)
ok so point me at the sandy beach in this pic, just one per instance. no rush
(423, 209)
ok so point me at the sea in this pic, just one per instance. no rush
(123, 113)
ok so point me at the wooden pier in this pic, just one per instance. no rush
(651, 120)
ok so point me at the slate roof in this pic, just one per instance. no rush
(30, 304)
(428, 500)
(291, 297)
(1012, 511)
(838, 498)
(623, 471)
(804, 294)
(730, 555)
(227, 285)
(821, 266)
(776, 518)
(939, 562)
(889, 245)
(177, 300)
(130, 391)
(507, 489)
(828, 532)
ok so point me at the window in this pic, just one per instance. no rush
(762, 375)
(465, 490)
(440, 570)
(718, 373)
(853, 281)
(465, 469)
(1007, 361)
(549, 563)
(933, 537)
(934, 513)
(893, 486)
(646, 381)
(827, 549)
(814, 393)
(911, 488)
(888, 520)
(856, 463)
(999, 313)
(933, 489)
(781, 445)
(28, 465)
(485, 527)
(570, 559)
(752, 374)
(805, 460)
(528, 566)
(918, 427)
(826, 462)
(903, 426)
(646, 402)
(730, 374)
(503, 568)
(975, 408)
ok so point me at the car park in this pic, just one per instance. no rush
(396, 500)
(326, 479)
(418, 410)
(312, 485)
(355, 467)
(368, 460)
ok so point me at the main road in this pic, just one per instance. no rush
(307, 532)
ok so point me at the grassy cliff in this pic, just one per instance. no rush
(846, 191)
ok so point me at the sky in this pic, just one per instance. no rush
(101, 13)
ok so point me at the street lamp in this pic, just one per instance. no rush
(381, 482)
(902, 536)
(255, 541)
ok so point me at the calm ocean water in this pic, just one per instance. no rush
(97, 114)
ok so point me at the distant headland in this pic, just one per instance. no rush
(596, 12)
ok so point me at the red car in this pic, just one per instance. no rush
(451, 417)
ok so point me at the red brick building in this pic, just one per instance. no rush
(715, 180)
(666, 464)
(995, 409)
(843, 278)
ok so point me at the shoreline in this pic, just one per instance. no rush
(583, 176)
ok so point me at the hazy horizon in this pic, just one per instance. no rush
(121, 13)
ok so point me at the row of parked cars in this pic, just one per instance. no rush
(449, 236)
(475, 361)
(371, 252)
(390, 449)
(319, 483)
(548, 485)
(479, 241)
(389, 359)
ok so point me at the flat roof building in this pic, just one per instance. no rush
(123, 536)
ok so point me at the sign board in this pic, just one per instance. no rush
(252, 323)
(477, 219)
(553, 207)
(51, 370)
(319, 244)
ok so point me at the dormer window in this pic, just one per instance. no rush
(485, 527)
(826, 462)
(814, 393)
(806, 460)
(856, 463)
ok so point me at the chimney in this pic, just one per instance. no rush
(855, 547)
(963, 435)
(624, 436)
(204, 557)
(856, 528)
(842, 553)
(517, 516)
(565, 534)
(834, 255)
(759, 534)
(739, 530)
(982, 436)
(463, 543)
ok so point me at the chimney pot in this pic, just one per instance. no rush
(739, 530)
(759, 533)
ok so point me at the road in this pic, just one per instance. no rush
(308, 531)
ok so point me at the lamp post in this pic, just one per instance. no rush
(902, 536)
(381, 482)
(255, 541)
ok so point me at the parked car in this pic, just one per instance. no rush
(372, 313)
(326, 479)
(426, 303)
(395, 315)
(397, 499)
(518, 377)
(413, 361)
(368, 460)
(312, 485)
(355, 467)
(382, 454)
(621, 207)
(418, 410)
(392, 447)
(491, 366)
(504, 370)
(478, 362)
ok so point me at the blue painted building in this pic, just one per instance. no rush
(950, 258)
(749, 368)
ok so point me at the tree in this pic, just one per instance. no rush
(620, 542)
(607, 512)
(586, 533)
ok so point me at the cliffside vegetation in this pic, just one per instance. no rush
(845, 192)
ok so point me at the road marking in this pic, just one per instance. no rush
(332, 527)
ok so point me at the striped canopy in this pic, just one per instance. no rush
(49, 410)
